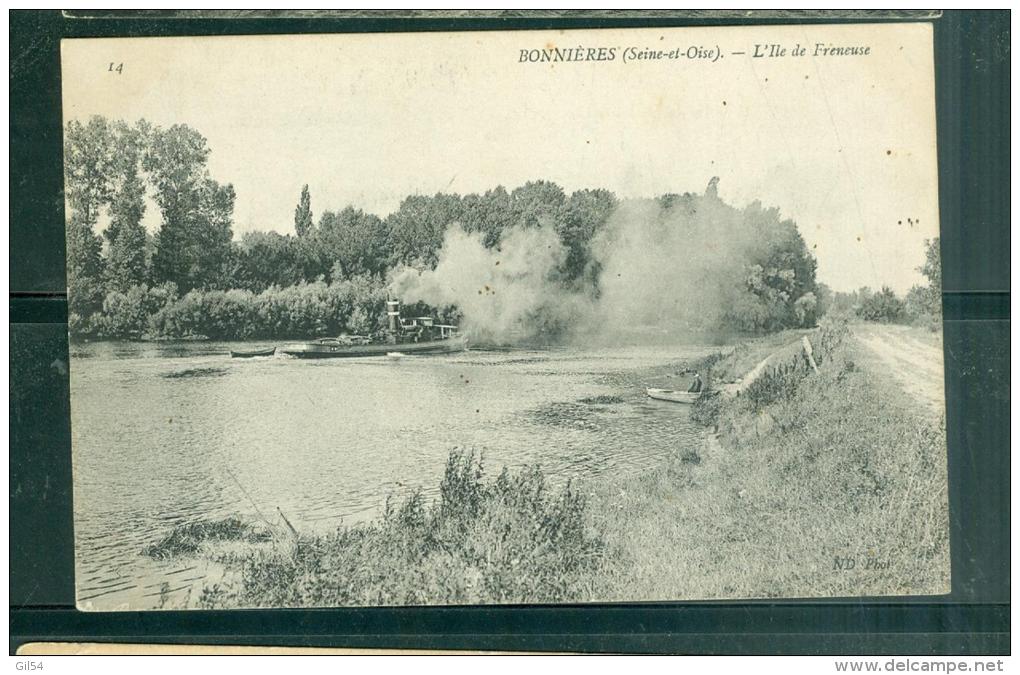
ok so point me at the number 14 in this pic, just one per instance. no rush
(115, 69)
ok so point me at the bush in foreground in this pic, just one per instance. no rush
(510, 540)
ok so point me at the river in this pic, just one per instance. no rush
(165, 433)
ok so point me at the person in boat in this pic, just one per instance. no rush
(696, 384)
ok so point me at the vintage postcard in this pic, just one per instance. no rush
(505, 317)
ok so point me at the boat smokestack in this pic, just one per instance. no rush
(393, 314)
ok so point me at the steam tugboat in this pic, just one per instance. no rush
(418, 335)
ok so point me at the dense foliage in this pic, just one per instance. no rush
(353, 305)
(191, 277)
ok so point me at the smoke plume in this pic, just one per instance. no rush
(506, 294)
(666, 269)
(676, 269)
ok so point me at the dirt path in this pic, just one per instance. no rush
(913, 359)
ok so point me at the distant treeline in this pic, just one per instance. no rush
(191, 277)
(921, 305)
(180, 281)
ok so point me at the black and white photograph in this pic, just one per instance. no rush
(505, 317)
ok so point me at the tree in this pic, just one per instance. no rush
(84, 267)
(175, 161)
(193, 244)
(303, 214)
(265, 259)
(805, 309)
(695, 263)
(211, 234)
(883, 307)
(416, 229)
(126, 265)
(916, 304)
(356, 241)
(489, 214)
(583, 216)
(778, 247)
(89, 162)
(780, 270)
(536, 203)
(825, 299)
(932, 270)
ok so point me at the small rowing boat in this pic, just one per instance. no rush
(673, 395)
(252, 354)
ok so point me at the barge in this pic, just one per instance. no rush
(415, 336)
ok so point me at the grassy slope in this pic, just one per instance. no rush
(842, 464)
(749, 353)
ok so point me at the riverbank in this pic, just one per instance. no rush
(806, 485)
(822, 484)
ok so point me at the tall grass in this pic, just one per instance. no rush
(508, 540)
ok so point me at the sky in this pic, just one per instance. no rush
(843, 145)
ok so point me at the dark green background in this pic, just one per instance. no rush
(972, 85)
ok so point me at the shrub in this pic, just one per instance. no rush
(301, 310)
(188, 538)
(509, 540)
(706, 408)
(776, 384)
(126, 314)
(883, 307)
(81, 327)
(834, 333)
